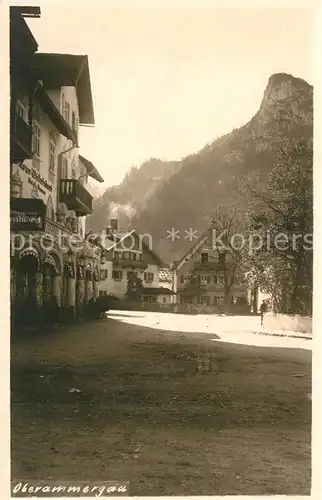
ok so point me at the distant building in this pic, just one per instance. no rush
(199, 276)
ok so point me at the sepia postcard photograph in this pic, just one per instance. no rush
(161, 248)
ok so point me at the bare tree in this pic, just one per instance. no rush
(227, 225)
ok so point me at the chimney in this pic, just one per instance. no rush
(108, 231)
(114, 225)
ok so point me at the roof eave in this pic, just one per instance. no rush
(53, 113)
(86, 117)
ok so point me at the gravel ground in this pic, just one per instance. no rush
(168, 410)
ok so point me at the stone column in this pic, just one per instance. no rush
(80, 294)
(88, 290)
(71, 295)
(69, 291)
(95, 289)
(57, 292)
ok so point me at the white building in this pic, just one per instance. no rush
(128, 255)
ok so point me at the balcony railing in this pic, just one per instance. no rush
(117, 262)
(21, 134)
(76, 197)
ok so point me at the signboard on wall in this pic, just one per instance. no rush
(27, 214)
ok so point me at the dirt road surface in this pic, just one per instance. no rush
(170, 411)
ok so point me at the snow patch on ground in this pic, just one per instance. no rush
(231, 329)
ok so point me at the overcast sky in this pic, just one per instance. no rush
(166, 82)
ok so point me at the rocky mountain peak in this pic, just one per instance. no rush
(286, 94)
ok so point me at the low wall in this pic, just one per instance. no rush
(294, 323)
(176, 308)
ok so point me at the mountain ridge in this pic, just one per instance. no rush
(189, 191)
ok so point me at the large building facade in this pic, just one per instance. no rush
(50, 99)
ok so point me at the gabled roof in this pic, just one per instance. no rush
(117, 237)
(59, 70)
(157, 257)
(91, 169)
(192, 250)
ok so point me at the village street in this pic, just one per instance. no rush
(160, 401)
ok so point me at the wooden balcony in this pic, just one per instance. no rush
(138, 264)
(76, 197)
(20, 138)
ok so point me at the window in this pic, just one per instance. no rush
(240, 280)
(204, 257)
(21, 110)
(66, 111)
(117, 275)
(219, 300)
(204, 300)
(148, 277)
(220, 279)
(36, 138)
(185, 278)
(73, 169)
(131, 275)
(64, 168)
(73, 120)
(204, 279)
(150, 298)
(52, 154)
(164, 300)
(50, 213)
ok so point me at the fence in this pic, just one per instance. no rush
(125, 305)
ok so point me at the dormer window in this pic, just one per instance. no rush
(204, 257)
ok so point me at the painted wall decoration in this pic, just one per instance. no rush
(35, 179)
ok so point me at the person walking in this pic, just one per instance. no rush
(263, 310)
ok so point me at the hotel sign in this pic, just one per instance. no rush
(27, 214)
